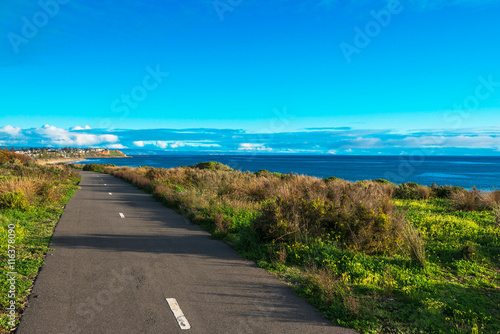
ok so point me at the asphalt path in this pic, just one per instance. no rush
(117, 255)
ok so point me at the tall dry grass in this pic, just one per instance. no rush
(29, 187)
(290, 207)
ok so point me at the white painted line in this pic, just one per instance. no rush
(110, 193)
(105, 184)
(122, 215)
(176, 310)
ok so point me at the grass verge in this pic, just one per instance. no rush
(32, 198)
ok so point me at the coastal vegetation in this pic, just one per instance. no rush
(371, 255)
(32, 198)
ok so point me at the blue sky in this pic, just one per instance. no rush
(326, 76)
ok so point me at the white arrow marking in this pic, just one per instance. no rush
(176, 310)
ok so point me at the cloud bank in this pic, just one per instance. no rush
(340, 140)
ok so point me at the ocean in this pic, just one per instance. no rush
(468, 171)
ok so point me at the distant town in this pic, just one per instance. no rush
(67, 152)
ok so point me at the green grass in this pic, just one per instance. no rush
(33, 230)
(459, 292)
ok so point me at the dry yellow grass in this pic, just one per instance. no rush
(29, 187)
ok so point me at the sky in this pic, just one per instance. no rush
(310, 76)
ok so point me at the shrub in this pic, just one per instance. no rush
(93, 168)
(382, 181)
(411, 190)
(266, 173)
(14, 200)
(155, 174)
(212, 165)
(465, 200)
(413, 242)
(330, 178)
(423, 192)
(6, 156)
(443, 191)
(496, 213)
(490, 199)
(361, 215)
(405, 191)
(290, 219)
(50, 192)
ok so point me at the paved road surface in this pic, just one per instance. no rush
(109, 274)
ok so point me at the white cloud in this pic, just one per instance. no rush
(459, 141)
(361, 142)
(139, 143)
(116, 146)
(10, 130)
(78, 128)
(62, 137)
(163, 144)
(177, 144)
(253, 147)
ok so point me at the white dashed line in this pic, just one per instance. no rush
(110, 193)
(176, 310)
(122, 215)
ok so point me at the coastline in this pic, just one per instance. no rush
(74, 160)
(59, 160)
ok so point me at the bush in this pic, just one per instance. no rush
(411, 190)
(465, 200)
(413, 242)
(6, 156)
(14, 200)
(50, 192)
(360, 215)
(155, 174)
(266, 173)
(496, 213)
(490, 199)
(212, 165)
(423, 192)
(93, 168)
(382, 181)
(443, 191)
